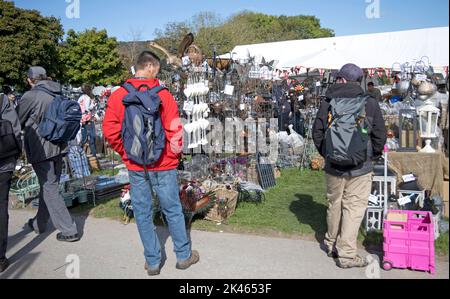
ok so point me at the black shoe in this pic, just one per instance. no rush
(60, 237)
(31, 226)
(4, 264)
(332, 254)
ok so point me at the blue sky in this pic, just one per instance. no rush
(346, 17)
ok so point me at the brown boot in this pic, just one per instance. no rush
(152, 272)
(356, 262)
(194, 259)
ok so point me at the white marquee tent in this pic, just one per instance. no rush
(380, 50)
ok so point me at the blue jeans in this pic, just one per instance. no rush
(165, 186)
(89, 129)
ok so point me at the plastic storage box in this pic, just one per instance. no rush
(409, 241)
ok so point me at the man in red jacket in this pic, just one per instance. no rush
(162, 175)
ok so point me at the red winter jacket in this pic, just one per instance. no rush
(112, 127)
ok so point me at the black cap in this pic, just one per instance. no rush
(350, 72)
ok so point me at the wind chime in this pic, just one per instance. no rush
(197, 110)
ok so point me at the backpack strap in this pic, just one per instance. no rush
(157, 89)
(129, 87)
(362, 111)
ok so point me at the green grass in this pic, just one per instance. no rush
(106, 172)
(106, 209)
(442, 245)
(295, 208)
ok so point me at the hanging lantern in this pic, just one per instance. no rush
(429, 116)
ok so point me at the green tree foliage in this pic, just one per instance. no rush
(92, 57)
(27, 38)
(211, 32)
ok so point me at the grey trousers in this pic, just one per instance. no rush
(51, 204)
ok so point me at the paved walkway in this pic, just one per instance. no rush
(111, 250)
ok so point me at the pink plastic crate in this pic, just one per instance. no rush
(410, 245)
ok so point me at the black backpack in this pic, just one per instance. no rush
(348, 132)
(9, 146)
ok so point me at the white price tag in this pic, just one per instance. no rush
(301, 98)
(408, 178)
(229, 90)
(404, 200)
(421, 77)
(373, 199)
(188, 106)
(318, 84)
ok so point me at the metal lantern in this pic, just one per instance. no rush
(408, 130)
(429, 116)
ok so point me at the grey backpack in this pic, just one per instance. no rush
(347, 135)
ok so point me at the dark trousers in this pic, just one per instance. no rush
(51, 204)
(5, 184)
(89, 130)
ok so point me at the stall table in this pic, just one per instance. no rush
(430, 169)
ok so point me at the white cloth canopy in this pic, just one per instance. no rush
(379, 50)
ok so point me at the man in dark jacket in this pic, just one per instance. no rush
(7, 166)
(348, 187)
(45, 156)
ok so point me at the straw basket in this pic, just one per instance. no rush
(225, 206)
(93, 163)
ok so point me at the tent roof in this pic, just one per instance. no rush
(367, 50)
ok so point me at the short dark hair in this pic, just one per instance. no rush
(86, 88)
(145, 58)
(371, 84)
(39, 78)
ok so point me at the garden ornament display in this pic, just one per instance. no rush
(195, 55)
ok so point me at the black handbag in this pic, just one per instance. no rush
(8, 142)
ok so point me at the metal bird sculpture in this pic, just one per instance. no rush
(185, 44)
(269, 64)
